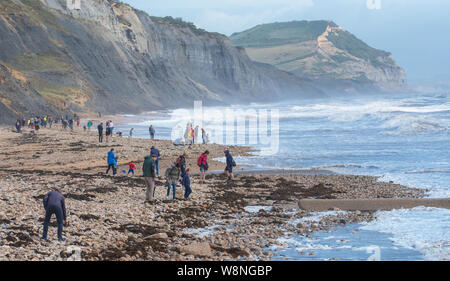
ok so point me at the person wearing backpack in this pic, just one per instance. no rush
(202, 162)
(172, 175)
(230, 164)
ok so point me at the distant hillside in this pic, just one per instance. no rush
(110, 57)
(324, 52)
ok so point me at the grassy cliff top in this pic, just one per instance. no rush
(280, 33)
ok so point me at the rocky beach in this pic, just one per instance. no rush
(223, 220)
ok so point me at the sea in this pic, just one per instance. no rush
(404, 138)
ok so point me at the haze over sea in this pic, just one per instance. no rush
(402, 138)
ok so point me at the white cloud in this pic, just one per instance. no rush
(237, 15)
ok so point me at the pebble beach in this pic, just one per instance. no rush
(223, 220)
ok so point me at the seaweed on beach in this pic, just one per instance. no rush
(234, 252)
(88, 217)
(80, 197)
(143, 229)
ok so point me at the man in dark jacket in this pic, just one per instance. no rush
(149, 172)
(230, 164)
(183, 164)
(155, 151)
(54, 204)
(100, 132)
(19, 126)
(187, 184)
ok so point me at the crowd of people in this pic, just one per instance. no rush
(37, 122)
(176, 174)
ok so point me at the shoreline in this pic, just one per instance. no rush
(108, 217)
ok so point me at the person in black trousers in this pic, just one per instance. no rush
(100, 132)
(54, 203)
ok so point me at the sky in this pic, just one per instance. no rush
(416, 32)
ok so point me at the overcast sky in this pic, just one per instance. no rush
(416, 32)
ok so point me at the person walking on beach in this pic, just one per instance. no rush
(100, 132)
(18, 126)
(50, 121)
(54, 203)
(71, 124)
(131, 132)
(148, 169)
(202, 162)
(108, 131)
(64, 124)
(187, 185)
(182, 163)
(89, 125)
(172, 175)
(152, 132)
(155, 151)
(111, 126)
(230, 165)
(203, 136)
(112, 162)
(196, 134)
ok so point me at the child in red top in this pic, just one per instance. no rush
(132, 168)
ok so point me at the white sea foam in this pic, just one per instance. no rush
(426, 230)
(256, 209)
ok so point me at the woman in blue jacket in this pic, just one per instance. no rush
(112, 162)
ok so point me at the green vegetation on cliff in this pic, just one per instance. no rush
(275, 34)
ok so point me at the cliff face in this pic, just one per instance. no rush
(112, 58)
(324, 52)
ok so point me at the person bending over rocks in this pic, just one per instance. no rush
(149, 171)
(54, 203)
(172, 175)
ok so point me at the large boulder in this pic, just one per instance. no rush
(197, 249)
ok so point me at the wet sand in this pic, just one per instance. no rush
(223, 220)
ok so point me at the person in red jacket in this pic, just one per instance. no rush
(132, 168)
(202, 162)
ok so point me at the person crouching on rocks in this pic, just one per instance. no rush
(187, 184)
(172, 175)
(149, 171)
(54, 203)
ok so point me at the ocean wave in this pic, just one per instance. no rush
(428, 171)
(411, 124)
(358, 110)
(423, 229)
